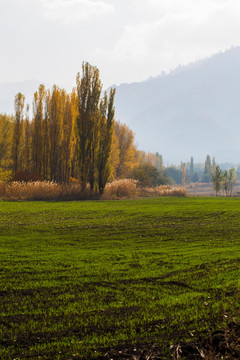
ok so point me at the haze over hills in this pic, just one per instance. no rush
(192, 111)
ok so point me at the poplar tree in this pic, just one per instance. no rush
(207, 168)
(17, 131)
(158, 161)
(27, 142)
(37, 131)
(6, 130)
(183, 173)
(68, 135)
(46, 137)
(213, 166)
(191, 166)
(89, 90)
(106, 125)
(56, 132)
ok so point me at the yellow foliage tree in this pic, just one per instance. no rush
(127, 150)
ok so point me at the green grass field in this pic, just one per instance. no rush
(80, 278)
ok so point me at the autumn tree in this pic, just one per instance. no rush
(6, 127)
(89, 90)
(105, 139)
(183, 173)
(27, 134)
(114, 156)
(94, 124)
(17, 131)
(68, 139)
(127, 150)
(37, 130)
(56, 114)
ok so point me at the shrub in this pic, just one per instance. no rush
(121, 188)
(148, 175)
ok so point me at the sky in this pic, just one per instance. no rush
(128, 40)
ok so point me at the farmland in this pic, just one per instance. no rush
(85, 280)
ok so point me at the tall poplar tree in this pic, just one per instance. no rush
(17, 131)
(46, 137)
(37, 131)
(56, 114)
(27, 142)
(106, 125)
(89, 90)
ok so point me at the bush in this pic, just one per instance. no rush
(121, 188)
(175, 174)
(148, 175)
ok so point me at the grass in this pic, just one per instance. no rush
(78, 279)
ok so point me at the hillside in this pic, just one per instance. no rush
(191, 111)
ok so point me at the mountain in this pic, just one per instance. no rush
(192, 111)
(9, 90)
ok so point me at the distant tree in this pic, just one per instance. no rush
(183, 173)
(195, 177)
(228, 179)
(207, 170)
(217, 179)
(191, 165)
(175, 174)
(238, 172)
(159, 161)
(213, 166)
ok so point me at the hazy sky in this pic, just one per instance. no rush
(128, 40)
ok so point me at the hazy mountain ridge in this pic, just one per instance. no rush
(191, 111)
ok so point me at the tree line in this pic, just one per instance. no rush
(70, 137)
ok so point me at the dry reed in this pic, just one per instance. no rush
(46, 190)
(128, 188)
